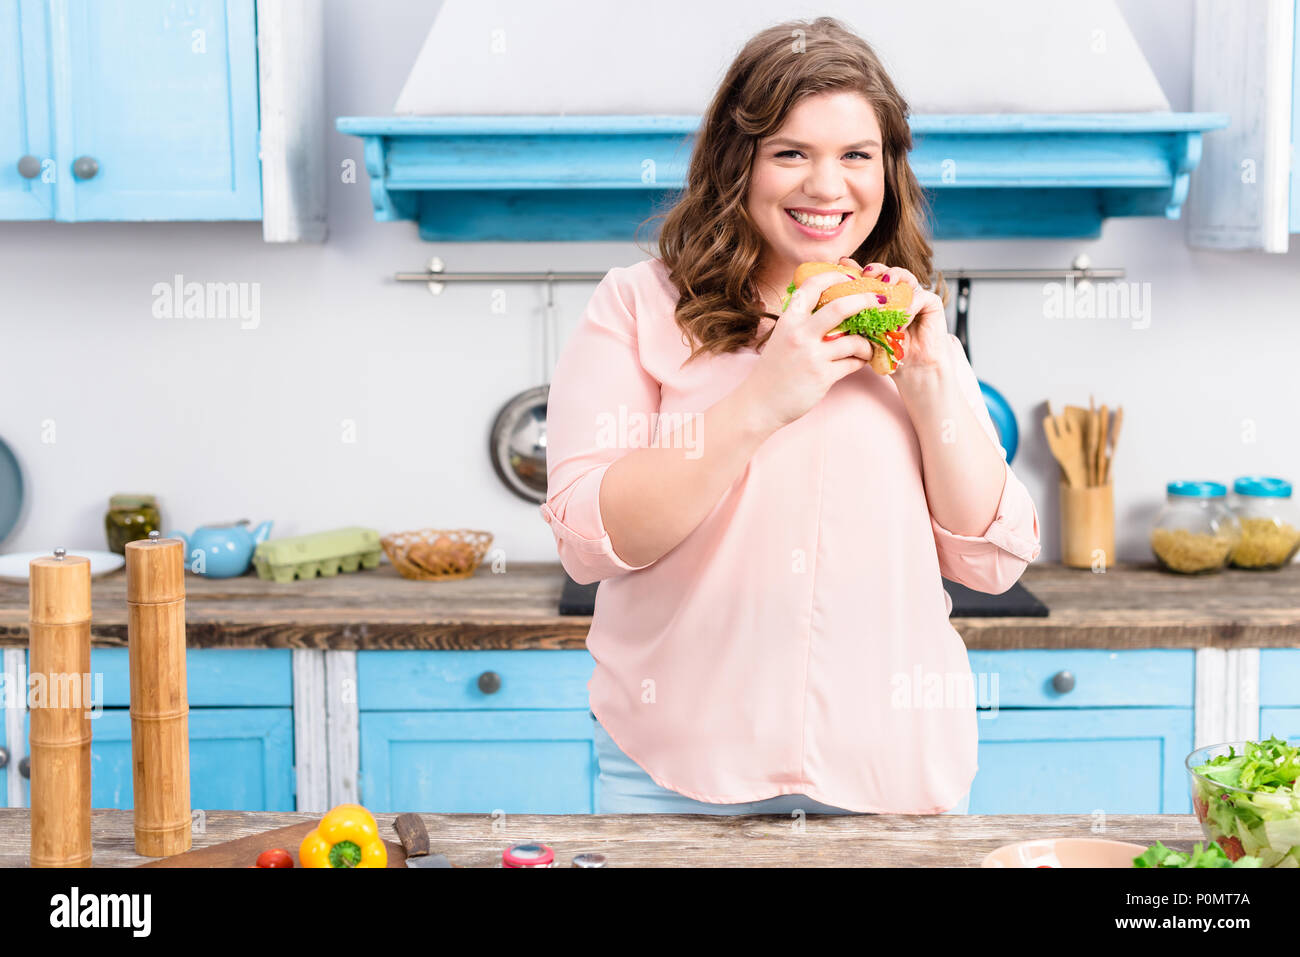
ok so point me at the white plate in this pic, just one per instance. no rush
(14, 565)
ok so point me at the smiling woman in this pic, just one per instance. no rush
(808, 191)
(740, 663)
(803, 148)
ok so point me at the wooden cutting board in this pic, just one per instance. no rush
(243, 851)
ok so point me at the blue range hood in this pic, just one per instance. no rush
(597, 177)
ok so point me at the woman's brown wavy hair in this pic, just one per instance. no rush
(709, 243)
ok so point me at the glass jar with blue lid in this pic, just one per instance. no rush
(1195, 532)
(1270, 522)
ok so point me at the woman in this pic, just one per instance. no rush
(769, 520)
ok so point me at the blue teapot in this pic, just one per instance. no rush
(222, 551)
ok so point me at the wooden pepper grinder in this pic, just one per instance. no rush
(160, 741)
(59, 740)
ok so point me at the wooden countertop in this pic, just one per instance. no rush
(671, 840)
(1128, 606)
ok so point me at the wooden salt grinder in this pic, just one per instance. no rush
(160, 741)
(59, 740)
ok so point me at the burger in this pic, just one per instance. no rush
(882, 324)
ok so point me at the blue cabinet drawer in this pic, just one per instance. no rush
(516, 762)
(241, 759)
(432, 680)
(1111, 760)
(1023, 679)
(214, 677)
(1279, 677)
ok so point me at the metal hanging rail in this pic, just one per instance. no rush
(436, 275)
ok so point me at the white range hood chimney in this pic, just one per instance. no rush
(583, 57)
(537, 121)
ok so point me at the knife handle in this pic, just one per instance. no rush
(410, 829)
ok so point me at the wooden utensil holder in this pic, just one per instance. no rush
(59, 739)
(1087, 525)
(160, 742)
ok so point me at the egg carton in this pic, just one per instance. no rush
(321, 553)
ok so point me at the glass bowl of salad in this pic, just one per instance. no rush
(1246, 795)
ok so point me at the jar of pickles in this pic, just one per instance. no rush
(1270, 523)
(129, 519)
(1196, 531)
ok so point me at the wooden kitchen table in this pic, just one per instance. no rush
(1131, 606)
(673, 840)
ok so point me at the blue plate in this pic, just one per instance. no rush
(11, 490)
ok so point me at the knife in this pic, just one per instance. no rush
(415, 842)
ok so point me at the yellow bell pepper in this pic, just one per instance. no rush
(346, 837)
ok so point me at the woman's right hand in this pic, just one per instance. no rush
(797, 366)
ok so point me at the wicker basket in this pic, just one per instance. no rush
(436, 554)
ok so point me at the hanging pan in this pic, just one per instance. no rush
(517, 442)
(1004, 420)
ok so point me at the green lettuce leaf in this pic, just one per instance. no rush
(874, 322)
(1212, 855)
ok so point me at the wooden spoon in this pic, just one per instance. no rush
(1104, 424)
(1064, 440)
(1081, 419)
(1114, 440)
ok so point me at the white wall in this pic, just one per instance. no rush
(225, 423)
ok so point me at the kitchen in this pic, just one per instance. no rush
(285, 345)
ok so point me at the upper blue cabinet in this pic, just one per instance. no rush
(26, 139)
(598, 177)
(129, 110)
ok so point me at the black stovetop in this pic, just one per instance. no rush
(1016, 602)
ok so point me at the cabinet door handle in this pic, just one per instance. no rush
(4, 758)
(29, 167)
(25, 766)
(1063, 682)
(489, 682)
(85, 167)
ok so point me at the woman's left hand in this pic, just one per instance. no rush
(926, 342)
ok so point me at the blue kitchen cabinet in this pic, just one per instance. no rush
(240, 759)
(26, 139)
(476, 731)
(514, 762)
(8, 759)
(1279, 693)
(1081, 730)
(1067, 761)
(137, 109)
(240, 725)
(1279, 678)
(1283, 722)
(479, 731)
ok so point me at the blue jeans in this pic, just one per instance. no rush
(626, 789)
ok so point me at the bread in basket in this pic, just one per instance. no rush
(436, 554)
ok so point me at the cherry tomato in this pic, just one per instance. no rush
(1232, 847)
(276, 857)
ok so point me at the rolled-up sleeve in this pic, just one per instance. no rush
(600, 405)
(994, 561)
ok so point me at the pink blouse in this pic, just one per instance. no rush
(797, 641)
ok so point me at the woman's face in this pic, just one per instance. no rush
(818, 183)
